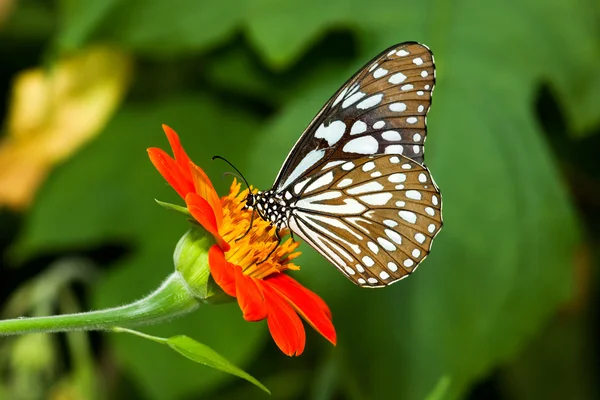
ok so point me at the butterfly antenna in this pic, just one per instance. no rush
(232, 166)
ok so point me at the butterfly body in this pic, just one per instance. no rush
(355, 186)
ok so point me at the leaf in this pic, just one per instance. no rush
(53, 113)
(175, 27)
(199, 353)
(203, 354)
(79, 21)
(109, 188)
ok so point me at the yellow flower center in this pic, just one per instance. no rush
(250, 249)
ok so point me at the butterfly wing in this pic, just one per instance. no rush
(380, 110)
(374, 217)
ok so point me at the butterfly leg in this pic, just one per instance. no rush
(274, 248)
(249, 227)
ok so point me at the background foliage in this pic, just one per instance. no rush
(505, 306)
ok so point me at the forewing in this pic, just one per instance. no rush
(374, 217)
(380, 110)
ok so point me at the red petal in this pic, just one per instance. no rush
(250, 297)
(180, 155)
(203, 213)
(305, 302)
(284, 324)
(205, 189)
(221, 270)
(171, 171)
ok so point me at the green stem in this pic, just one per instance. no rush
(171, 299)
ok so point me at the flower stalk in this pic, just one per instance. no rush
(173, 298)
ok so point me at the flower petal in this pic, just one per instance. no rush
(203, 213)
(180, 155)
(205, 189)
(284, 324)
(221, 270)
(250, 297)
(310, 306)
(173, 173)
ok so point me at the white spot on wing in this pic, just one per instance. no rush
(353, 99)
(308, 161)
(408, 216)
(397, 78)
(386, 244)
(332, 133)
(419, 237)
(418, 61)
(370, 101)
(378, 124)
(377, 199)
(394, 149)
(395, 236)
(358, 127)
(331, 164)
(320, 182)
(340, 96)
(300, 185)
(368, 166)
(413, 194)
(391, 136)
(348, 166)
(344, 182)
(379, 73)
(368, 187)
(397, 107)
(350, 206)
(362, 145)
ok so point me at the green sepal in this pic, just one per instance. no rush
(176, 208)
(191, 260)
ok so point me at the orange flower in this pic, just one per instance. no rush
(241, 267)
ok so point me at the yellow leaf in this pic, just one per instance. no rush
(53, 112)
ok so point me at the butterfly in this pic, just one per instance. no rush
(355, 186)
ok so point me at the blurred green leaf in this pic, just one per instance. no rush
(161, 28)
(439, 392)
(199, 353)
(106, 193)
(79, 19)
(562, 351)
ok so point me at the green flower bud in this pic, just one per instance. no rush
(191, 260)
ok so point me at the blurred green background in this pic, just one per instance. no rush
(506, 306)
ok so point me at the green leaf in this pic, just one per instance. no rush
(199, 353)
(439, 392)
(203, 354)
(79, 19)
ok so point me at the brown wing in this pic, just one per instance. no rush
(374, 217)
(381, 110)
